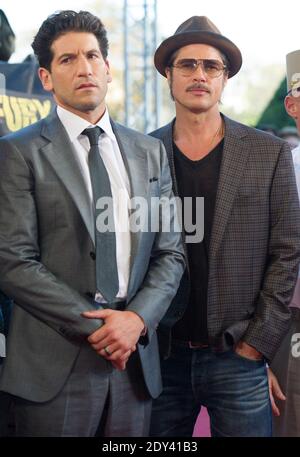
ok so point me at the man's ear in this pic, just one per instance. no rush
(46, 79)
(225, 79)
(291, 107)
(168, 74)
(108, 72)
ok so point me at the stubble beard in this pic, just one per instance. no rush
(86, 107)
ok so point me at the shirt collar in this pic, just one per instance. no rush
(75, 124)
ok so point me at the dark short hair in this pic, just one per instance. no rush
(61, 23)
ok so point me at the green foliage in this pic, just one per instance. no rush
(247, 95)
(274, 113)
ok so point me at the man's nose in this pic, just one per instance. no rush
(199, 73)
(83, 66)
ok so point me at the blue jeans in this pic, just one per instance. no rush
(232, 388)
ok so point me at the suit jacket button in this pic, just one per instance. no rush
(93, 255)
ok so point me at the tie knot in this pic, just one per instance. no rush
(93, 134)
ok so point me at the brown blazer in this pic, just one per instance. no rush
(254, 248)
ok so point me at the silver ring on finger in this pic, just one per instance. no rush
(107, 351)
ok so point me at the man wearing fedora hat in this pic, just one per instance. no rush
(286, 363)
(231, 310)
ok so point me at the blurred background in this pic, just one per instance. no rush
(139, 97)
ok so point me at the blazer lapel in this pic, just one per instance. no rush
(61, 155)
(235, 155)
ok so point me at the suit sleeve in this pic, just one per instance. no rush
(272, 316)
(167, 261)
(22, 276)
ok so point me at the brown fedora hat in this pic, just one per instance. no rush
(198, 29)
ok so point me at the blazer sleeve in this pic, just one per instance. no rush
(22, 276)
(272, 316)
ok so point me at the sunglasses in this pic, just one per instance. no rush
(212, 68)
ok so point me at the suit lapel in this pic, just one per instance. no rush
(62, 157)
(235, 155)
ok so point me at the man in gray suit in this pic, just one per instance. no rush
(89, 291)
(230, 313)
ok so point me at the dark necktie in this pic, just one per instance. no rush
(106, 263)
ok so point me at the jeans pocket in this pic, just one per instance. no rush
(246, 359)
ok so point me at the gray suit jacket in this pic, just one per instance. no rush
(46, 255)
(255, 243)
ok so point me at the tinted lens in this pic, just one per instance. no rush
(187, 64)
(211, 67)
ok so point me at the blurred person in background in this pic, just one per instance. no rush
(286, 363)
